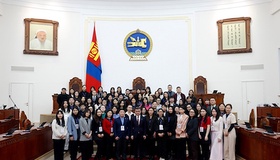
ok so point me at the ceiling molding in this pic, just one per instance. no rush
(275, 6)
(133, 7)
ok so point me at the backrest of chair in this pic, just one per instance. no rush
(252, 118)
(76, 84)
(138, 83)
(200, 85)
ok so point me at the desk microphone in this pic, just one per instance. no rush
(15, 106)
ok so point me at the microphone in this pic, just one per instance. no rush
(15, 106)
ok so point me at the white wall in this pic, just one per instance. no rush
(223, 72)
(198, 57)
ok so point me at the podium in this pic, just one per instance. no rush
(219, 97)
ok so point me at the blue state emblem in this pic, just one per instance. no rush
(138, 45)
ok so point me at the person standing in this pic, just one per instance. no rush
(138, 133)
(171, 119)
(204, 133)
(216, 135)
(229, 120)
(74, 132)
(122, 132)
(150, 142)
(98, 134)
(59, 132)
(63, 96)
(108, 124)
(192, 135)
(180, 130)
(160, 135)
(86, 135)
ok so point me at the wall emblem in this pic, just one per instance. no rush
(138, 45)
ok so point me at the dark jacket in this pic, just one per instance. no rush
(192, 129)
(171, 124)
(117, 128)
(138, 130)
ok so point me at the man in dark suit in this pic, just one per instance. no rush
(138, 133)
(212, 105)
(63, 96)
(122, 133)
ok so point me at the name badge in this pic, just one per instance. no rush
(178, 125)
(212, 128)
(100, 129)
(122, 128)
(111, 129)
(201, 129)
(77, 126)
(226, 126)
(62, 130)
(160, 127)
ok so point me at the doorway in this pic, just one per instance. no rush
(21, 94)
(252, 96)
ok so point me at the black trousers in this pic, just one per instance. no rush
(193, 149)
(150, 146)
(161, 147)
(100, 147)
(205, 146)
(170, 146)
(138, 147)
(73, 149)
(86, 149)
(58, 147)
(109, 145)
(180, 149)
(121, 145)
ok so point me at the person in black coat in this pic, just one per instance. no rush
(63, 96)
(192, 135)
(171, 119)
(138, 133)
(84, 93)
(160, 134)
(98, 134)
(150, 140)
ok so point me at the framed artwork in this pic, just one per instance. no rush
(234, 35)
(40, 36)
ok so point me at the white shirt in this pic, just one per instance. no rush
(178, 98)
(35, 44)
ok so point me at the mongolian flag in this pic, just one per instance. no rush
(94, 70)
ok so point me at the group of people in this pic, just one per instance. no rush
(164, 125)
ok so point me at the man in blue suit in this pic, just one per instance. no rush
(122, 133)
(138, 133)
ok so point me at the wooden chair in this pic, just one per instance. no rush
(24, 122)
(252, 118)
(200, 85)
(264, 122)
(138, 83)
(76, 84)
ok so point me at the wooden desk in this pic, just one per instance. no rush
(218, 97)
(7, 124)
(254, 145)
(5, 113)
(26, 146)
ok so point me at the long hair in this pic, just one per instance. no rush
(73, 115)
(68, 107)
(62, 119)
(95, 117)
(206, 116)
(218, 113)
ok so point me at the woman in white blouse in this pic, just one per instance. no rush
(229, 133)
(216, 135)
(59, 132)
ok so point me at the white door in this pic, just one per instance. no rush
(252, 96)
(21, 94)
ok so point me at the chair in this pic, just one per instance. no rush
(264, 122)
(138, 83)
(24, 122)
(200, 85)
(76, 84)
(252, 118)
